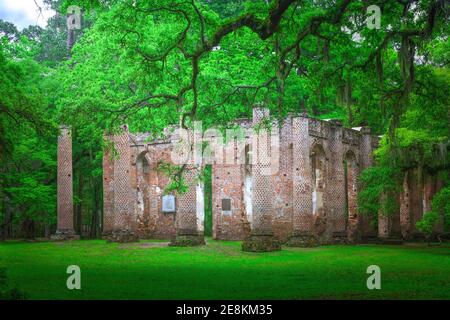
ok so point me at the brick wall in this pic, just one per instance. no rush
(149, 184)
(309, 164)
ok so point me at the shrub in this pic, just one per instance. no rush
(427, 223)
(379, 189)
(6, 291)
(440, 207)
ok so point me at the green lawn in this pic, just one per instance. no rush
(221, 270)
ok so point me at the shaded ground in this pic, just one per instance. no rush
(220, 270)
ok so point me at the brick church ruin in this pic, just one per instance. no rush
(309, 199)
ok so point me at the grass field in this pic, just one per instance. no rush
(220, 270)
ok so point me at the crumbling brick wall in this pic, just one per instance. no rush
(306, 194)
(415, 198)
(313, 190)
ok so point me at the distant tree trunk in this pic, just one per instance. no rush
(94, 221)
(70, 41)
(315, 110)
(3, 222)
(47, 230)
(93, 187)
(29, 227)
(348, 100)
(78, 208)
(100, 206)
(7, 218)
(302, 107)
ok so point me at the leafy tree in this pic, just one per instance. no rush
(440, 208)
(155, 63)
(27, 149)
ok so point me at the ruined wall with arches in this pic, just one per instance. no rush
(310, 197)
(312, 193)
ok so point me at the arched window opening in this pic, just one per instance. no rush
(142, 168)
(142, 193)
(248, 155)
(318, 172)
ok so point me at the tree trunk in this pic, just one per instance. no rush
(7, 229)
(93, 186)
(28, 227)
(78, 207)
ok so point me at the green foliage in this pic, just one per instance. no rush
(207, 182)
(411, 148)
(176, 174)
(21, 99)
(441, 204)
(420, 142)
(27, 139)
(6, 291)
(440, 208)
(379, 188)
(428, 222)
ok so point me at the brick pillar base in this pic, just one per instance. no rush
(106, 234)
(260, 243)
(187, 239)
(65, 234)
(121, 236)
(353, 231)
(303, 239)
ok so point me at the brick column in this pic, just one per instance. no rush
(124, 222)
(189, 214)
(65, 229)
(366, 228)
(261, 236)
(353, 226)
(383, 226)
(405, 210)
(303, 228)
(388, 227)
(108, 188)
(282, 185)
(336, 184)
(428, 192)
(384, 222)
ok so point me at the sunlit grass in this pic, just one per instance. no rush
(220, 270)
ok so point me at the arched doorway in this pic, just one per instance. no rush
(318, 163)
(142, 194)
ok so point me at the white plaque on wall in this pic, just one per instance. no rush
(226, 207)
(168, 203)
